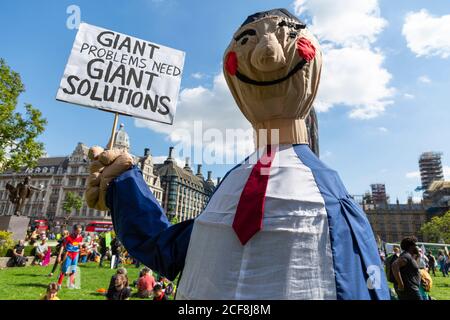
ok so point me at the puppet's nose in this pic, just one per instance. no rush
(268, 54)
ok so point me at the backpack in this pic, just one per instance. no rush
(426, 280)
(169, 289)
(389, 274)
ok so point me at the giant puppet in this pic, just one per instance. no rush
(281, 224)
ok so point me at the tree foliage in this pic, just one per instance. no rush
(6, 240)
(438, 229)
(71, 202)
(18, 132)
(174, 220)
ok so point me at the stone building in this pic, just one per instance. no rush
(393, 222)
(379, 195)
(185, 194)
(59, 175)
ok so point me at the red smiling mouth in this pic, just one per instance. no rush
(305, 49)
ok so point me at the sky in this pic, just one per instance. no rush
(383, 98)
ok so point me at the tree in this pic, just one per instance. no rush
(18, 133)
(72, 201)
(438, 229)
(174, 219)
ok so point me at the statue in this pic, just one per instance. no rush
(19, 194)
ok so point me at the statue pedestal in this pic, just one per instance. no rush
(17, 225)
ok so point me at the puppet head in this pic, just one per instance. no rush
(272, 67)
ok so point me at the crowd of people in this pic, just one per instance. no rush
(146, 286)
(408, 268)
(76, 247)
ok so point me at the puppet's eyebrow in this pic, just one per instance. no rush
(248, 32)
(296, 26)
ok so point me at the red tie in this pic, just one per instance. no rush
(250, 209)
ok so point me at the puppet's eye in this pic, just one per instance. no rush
(244, 41)
(282, 24)
(246, 33)
(293, 35)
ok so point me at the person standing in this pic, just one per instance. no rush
(422, 260)
(104, 247)
(441, 261)
(115, 252)
(72, 245)
(431, 263)
(406, 271)
(65, 233)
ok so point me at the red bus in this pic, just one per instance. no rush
(99, 226)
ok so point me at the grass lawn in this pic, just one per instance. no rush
(441, 287)
(29, 283)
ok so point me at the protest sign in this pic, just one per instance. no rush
(115, 72)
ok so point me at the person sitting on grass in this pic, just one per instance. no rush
(93, 253)
(119, 271)
(120, 291)
(83, 253)
(41, 251)
(18, 255)
(145, 283)
(52, 291)
(158, 292)
(168, 286)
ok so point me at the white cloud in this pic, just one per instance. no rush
(413, 174)
(408, 96)
(446, 172)
(424, 79)
(198, 75)
(354, 77)
(427, 35)
(383, 129)
(345, 22)
(203, 110)
(353, 73)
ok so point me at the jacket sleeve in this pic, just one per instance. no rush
(143, 228)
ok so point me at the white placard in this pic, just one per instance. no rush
(112, 71)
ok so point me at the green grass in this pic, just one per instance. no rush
(440, 289)
(30, 283)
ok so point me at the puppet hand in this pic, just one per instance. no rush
(105, 166)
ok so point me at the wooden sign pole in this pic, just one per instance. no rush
(113, 131)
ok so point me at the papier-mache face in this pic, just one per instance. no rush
(272, 67)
